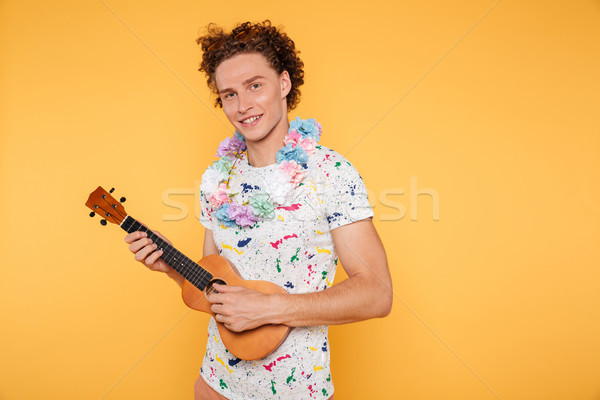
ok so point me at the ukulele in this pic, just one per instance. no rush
(199, 280)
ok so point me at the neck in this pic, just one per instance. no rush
(264, 151)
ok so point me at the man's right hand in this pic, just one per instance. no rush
(144, 251)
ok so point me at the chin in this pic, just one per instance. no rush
(256, 134)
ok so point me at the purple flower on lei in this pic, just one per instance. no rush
(242, 215)
(288, 153)
(231, 146)
(307, 128)
(222, 214)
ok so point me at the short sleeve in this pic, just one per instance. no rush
(206, 211)
(345, 195)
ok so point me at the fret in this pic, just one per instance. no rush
(190, 270)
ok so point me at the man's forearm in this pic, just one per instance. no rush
(355, 299)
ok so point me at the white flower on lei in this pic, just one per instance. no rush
(279, 188)
(210, 180)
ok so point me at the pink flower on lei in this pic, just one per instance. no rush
(309, 145)
(293, 170)
(219, 196)
(242, 215)
(293, 137)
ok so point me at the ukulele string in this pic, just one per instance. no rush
(107, 214)
(194, 275)
(112, 207)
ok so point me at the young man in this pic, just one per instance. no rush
(280, 208)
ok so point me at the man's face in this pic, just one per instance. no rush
(253, 95)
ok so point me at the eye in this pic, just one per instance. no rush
(255, 86)
(228, 96)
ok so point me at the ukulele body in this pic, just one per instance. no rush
(247, 345)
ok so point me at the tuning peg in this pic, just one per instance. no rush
(103, 222)
(92, 214)
(111, 190)
(122, 200)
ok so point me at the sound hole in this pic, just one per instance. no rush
(210, 289)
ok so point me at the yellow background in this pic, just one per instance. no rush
(490, 106)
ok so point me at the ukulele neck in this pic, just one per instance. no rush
(191, 271)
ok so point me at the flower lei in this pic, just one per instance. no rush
(299, 143)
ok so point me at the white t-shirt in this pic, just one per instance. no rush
(294, 250)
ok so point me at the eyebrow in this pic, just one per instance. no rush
(243, 83)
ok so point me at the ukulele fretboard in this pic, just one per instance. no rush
(191, 271)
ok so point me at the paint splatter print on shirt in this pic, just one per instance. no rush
(294, 250)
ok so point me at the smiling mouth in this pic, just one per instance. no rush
(251, 119)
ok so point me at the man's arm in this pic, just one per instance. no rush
(367, 293)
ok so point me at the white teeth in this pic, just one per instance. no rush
(249, 120)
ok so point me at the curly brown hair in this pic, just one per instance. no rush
(262, 38)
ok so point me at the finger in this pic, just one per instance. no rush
(227, 288)
(233, 328)
(144, 252)
(138, 244)
(133, 236)
(152, 258)
(215, 298)
(221, 318)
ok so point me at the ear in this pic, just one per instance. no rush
(285, 83)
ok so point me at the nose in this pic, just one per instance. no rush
(244, 103)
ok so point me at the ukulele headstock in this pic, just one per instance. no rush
(102, 203)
